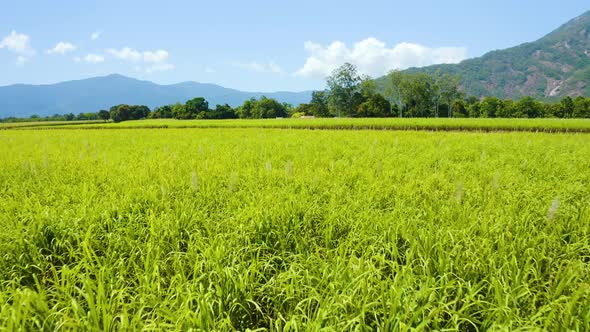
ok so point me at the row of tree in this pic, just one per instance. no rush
(198, 108)
(58, 117)
(421, 95)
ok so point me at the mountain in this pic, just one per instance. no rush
(93, 94)
(556, 65)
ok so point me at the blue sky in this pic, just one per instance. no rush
(258, 45)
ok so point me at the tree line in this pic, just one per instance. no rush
(349, 94)
(198, 108)
(401, 94)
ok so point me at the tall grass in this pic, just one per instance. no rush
(432, 124)
(236, 229)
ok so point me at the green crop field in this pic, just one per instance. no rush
(276, 229)
(465, 124)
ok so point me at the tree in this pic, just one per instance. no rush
(268, 108)
(245, 111)
(437, 93)
(126, 112)
(178, 111)
(195, 106)
(552, 111)
(104, 115)
(528, 107)
(301, 110)
(458, 109)
(449, 89)
(417, 92)
(581, 108)
(508, 109)
(288, 108)
(393, 89)
(473, 108)
(319, 104)
(119, 113)
(342, 85)
(220, 112)
(567, 107)
(375, 106)
(139, 112)
(367, 86)
(86, 116)
(490, 107)
(162, 112)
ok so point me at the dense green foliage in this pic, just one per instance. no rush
(128, 112)
(348, 95)
(198, 108)
(406, 94)
(223, 229)
(264, 108)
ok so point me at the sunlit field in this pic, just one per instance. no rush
(457, 124)
(277, 229)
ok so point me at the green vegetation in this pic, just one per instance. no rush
(235, 229)
(440, 124)
(126, 112)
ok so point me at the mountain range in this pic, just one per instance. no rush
(93, 94)
(554, 66)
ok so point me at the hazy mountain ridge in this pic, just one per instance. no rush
(556, 65)
(93, 94)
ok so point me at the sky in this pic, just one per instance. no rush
(258, 45)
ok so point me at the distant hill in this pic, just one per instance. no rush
(93, 94)
(556, 65)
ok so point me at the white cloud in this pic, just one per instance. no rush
(19, 44)
(62, 48)
(95, 35)
(126, 53)
(153, 61)
(92, 58)
(270, 67)
(158, 56)
(373, 57)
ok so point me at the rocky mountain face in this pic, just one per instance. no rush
(554, 66)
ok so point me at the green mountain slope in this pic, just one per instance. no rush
(556, 65)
